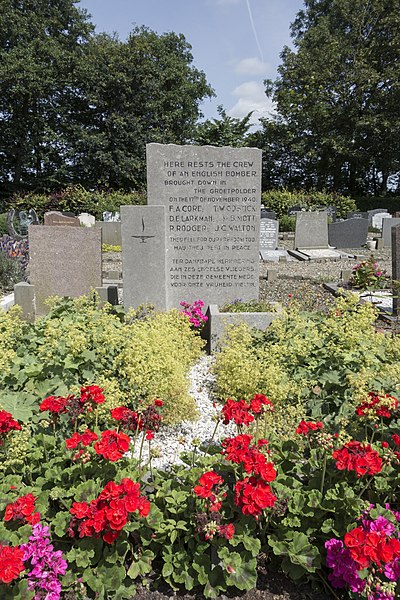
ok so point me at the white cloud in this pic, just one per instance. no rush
(251, 97)
(252, 66)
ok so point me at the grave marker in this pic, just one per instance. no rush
(387, 226)
(395, 234)
(351, 233)
(212, 199)
(64, 261)
(56, 218)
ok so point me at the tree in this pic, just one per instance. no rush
(40, 46)
(135, 92)
(338, 94)
(225, 131)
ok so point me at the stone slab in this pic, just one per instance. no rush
(7, 302)
(274, 255)
(64, 261)
(351, 233)
(111, 232)
(24, 296)
(311, 230)
(357, 215)
(373, 212)
(377, 219)
(320, 254)
(387, 226)
(269, 230)
(217, 322)
(55, 218)
(212, 198)
(395, 240)
(144, 256)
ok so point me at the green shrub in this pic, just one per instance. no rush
(281, 200)
(238, 306)
(76, 199)
(135, 359)
(287, 223)
(324, 361)
(3, 224)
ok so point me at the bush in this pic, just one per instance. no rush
(3, 224)
(325, 362)
(134, 360)
(76, 199)
(281, 200)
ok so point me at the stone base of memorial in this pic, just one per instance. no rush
(218, 321)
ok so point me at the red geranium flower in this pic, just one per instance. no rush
(84, 439)
(54, 404)
(23, 509)
(7, 423)
(258, 402)
(237, 411)
(112, 445)
(227, 531)
(92, 393)
(358, 457)
(304, 427)
(377, 405)
(11, 564)
(253, 495)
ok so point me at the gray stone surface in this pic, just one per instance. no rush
(86, 219)
(108, 293)
(274, 255)
(268, 214)
(311, 230)
(212, 198)
(387, 226)
(64, 261)
(218, 322)
(269, 230)
(351, 233)
(357, 215)
(377, 218)
(111, 232)
(24, 296)
(143, 255)
(110, 217)
(373, 212)
(395, 239)
(56, 218)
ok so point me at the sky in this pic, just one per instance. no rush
(236, 43)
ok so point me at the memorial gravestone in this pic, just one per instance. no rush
(207, 201)
(373, 212)
(293, 210)
(269, 229)
(111, 232)
(311, 237)
(64, 261)
(387, 225)
(395, 240)
(351, 233)
(357, 215)
(56, 218)
(110, 217)
(268, 214)
(18, 226)
(86, 220)
(377, 219)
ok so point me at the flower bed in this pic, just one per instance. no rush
(82, 518)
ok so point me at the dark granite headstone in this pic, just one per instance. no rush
(351, 233)
(268, 214)
(357, 215)
(293, 210)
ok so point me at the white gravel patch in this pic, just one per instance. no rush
(170, 442)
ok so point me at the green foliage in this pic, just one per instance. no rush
(225, 131)
(77, 107)
(367, 275)
(325, 362)
(76, 199)
(110, 248)
(338, 112)
(287, 223)
(238, 306)
(280, 201)
(3, 224)
(140, 358)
